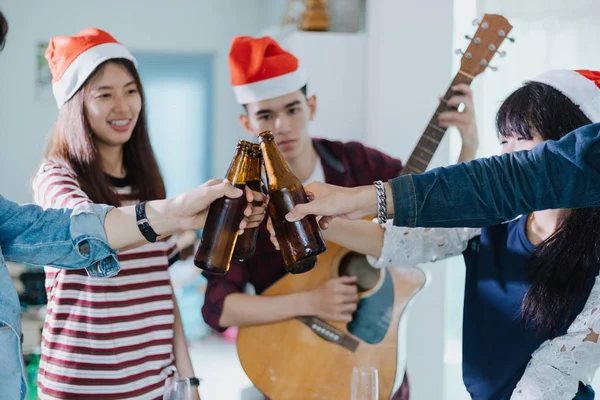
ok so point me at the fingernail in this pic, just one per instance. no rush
(290, 217)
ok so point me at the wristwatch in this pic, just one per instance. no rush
(143, 224)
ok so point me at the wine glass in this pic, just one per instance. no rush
(365, 383)
(177, 388)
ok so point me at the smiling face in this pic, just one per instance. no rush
(112, 105)
(287, 117)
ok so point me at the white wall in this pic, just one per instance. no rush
(409, 65)
(335, 63)
(143, 25)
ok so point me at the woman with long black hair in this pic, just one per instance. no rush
(532, 289)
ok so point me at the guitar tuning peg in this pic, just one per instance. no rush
(468, 37)
(466, 55)
(493, 68)
(511, 39)
(475, 22)
(501, 53)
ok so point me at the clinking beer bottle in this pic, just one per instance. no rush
(246, 243)
(224, 216)
(301, 241)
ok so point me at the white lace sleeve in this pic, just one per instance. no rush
(411, 246)
(558, 365)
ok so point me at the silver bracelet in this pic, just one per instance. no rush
(381, 202)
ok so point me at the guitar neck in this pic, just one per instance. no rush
(430, 140)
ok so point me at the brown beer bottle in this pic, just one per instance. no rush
(246, 243)
(224, 216)
(301, 241)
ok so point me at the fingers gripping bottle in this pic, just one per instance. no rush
(301, 241)
(220, 232)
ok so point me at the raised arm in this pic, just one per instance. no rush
(410, 246)
(483, 192)
(88, 236)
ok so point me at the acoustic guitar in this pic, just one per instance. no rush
(310, 358)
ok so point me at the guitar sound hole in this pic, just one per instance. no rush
(355, 264)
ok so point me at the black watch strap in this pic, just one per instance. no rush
(194, 381)
(143, 224)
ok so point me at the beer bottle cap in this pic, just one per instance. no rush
(266, 135)
(244, 144)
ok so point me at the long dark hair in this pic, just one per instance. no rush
(562, 266)
(73, 144)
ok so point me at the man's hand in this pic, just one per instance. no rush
(335, 300)
(258, 211)
(464, 120)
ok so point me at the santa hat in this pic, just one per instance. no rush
(582, 87)
(260, 69)
(72, 59)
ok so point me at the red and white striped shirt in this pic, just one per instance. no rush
(105, 338)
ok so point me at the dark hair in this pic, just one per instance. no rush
(563, 265)
(72, 144)
(3, 30)
(302, 89)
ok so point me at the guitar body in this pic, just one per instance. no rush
(309, 358)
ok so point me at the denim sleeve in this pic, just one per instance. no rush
(61, 238)
(484, 192)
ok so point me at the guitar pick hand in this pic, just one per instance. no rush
(336, 300)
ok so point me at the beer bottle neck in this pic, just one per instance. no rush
(276, 168)
(238, 171)
(255, 168)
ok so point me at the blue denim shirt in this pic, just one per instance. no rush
(484, 192)
(62, 238)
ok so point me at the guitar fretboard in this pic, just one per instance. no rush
(423, 153)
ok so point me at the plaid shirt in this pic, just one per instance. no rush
(344, 164)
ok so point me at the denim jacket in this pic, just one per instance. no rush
(484, 192)
(61, 238)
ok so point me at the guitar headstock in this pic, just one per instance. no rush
(492, 31)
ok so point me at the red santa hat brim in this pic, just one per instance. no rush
(271, 88)
(84, 65)
(581, 90)
(261, 69)
(72, 59)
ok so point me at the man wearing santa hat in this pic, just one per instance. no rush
(271, 85)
